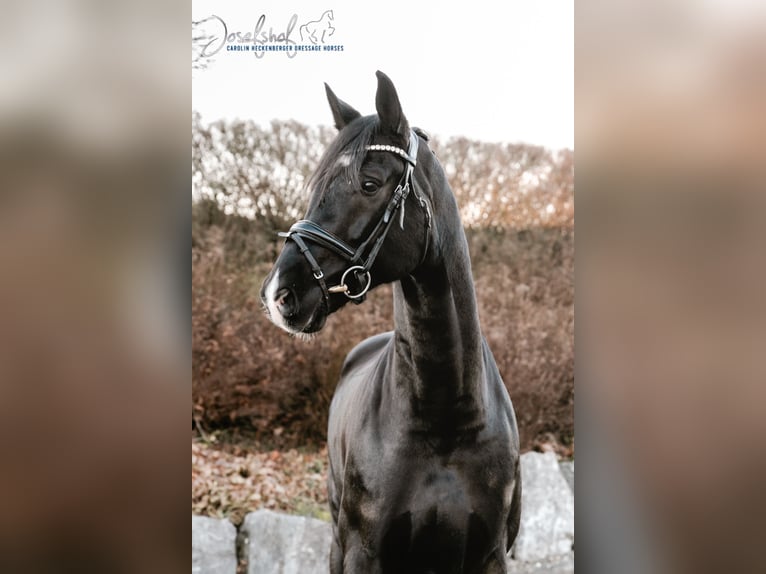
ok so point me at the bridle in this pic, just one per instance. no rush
(304, 230)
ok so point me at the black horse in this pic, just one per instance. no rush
(424, 450)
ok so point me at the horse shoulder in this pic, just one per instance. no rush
(503, 400)
(346, 412)
(364, 356)
(358, 368)
(496, 385)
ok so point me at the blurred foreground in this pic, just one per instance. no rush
(671, 125)
(94, 356)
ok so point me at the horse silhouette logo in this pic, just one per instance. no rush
(317, 30)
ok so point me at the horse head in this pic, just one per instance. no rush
(354, 235)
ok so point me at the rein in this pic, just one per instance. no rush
(305, 230)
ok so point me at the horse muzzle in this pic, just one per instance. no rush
(290, 309)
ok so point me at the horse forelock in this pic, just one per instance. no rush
(344, 157)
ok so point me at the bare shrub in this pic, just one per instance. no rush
(525, 291)
(246, 373)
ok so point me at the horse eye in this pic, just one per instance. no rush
(370, 186)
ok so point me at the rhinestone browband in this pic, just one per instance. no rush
(391, 148)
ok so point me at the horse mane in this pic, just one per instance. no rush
(350, 142)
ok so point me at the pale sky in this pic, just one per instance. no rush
(492, 71)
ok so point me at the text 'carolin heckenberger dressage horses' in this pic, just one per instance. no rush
(424, 450)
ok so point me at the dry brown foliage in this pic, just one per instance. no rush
(248, 374)
(230, 480)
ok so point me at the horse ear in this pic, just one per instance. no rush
(389, 109)
(342, 113)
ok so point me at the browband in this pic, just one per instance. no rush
(411, 159)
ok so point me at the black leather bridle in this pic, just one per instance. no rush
(304, 230)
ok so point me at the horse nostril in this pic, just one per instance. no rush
(286, 303)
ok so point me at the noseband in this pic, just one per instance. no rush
(360, 264)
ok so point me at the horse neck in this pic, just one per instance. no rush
(438, 344)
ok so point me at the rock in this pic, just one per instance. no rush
(557, 565)
(282, 544)
(547, 510)
(567, 469)
(214, 549)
